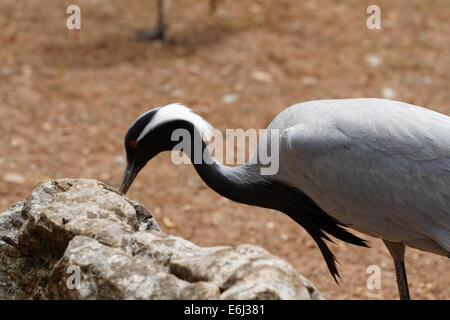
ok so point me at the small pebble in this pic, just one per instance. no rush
(168, 222)
(46, 126)
(270, 225)
(119, 159)
(230, 98)
(177, 93)
(17, 142)
(261, 76)
(14, 178)
(373, 60)
(388, 93)
(427, 80)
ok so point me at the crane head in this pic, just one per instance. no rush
(151, 133)
(139, 151)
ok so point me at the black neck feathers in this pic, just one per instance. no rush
(244, 184)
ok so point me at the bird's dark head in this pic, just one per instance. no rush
(151, 133)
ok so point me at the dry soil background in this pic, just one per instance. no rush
(67, 98)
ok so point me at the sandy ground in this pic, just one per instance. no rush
(67, 98)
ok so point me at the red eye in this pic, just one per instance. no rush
(133, 144)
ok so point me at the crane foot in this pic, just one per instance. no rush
(155, 34)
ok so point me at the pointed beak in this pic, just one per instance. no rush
(128, 177)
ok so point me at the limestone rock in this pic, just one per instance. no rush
(80, 239)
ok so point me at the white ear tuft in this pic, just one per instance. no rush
(178, 111)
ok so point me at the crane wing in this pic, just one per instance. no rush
(389, 170)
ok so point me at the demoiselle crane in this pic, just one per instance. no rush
(378, 166)
(159, 32)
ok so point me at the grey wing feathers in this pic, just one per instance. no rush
(389, 165)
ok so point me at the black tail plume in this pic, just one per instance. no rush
(316, 222)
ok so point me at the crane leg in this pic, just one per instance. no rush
(160, 31)
(397, 251)
(212, 6)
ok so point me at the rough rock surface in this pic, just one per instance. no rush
(80, 239)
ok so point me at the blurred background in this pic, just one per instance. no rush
(67, 98)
